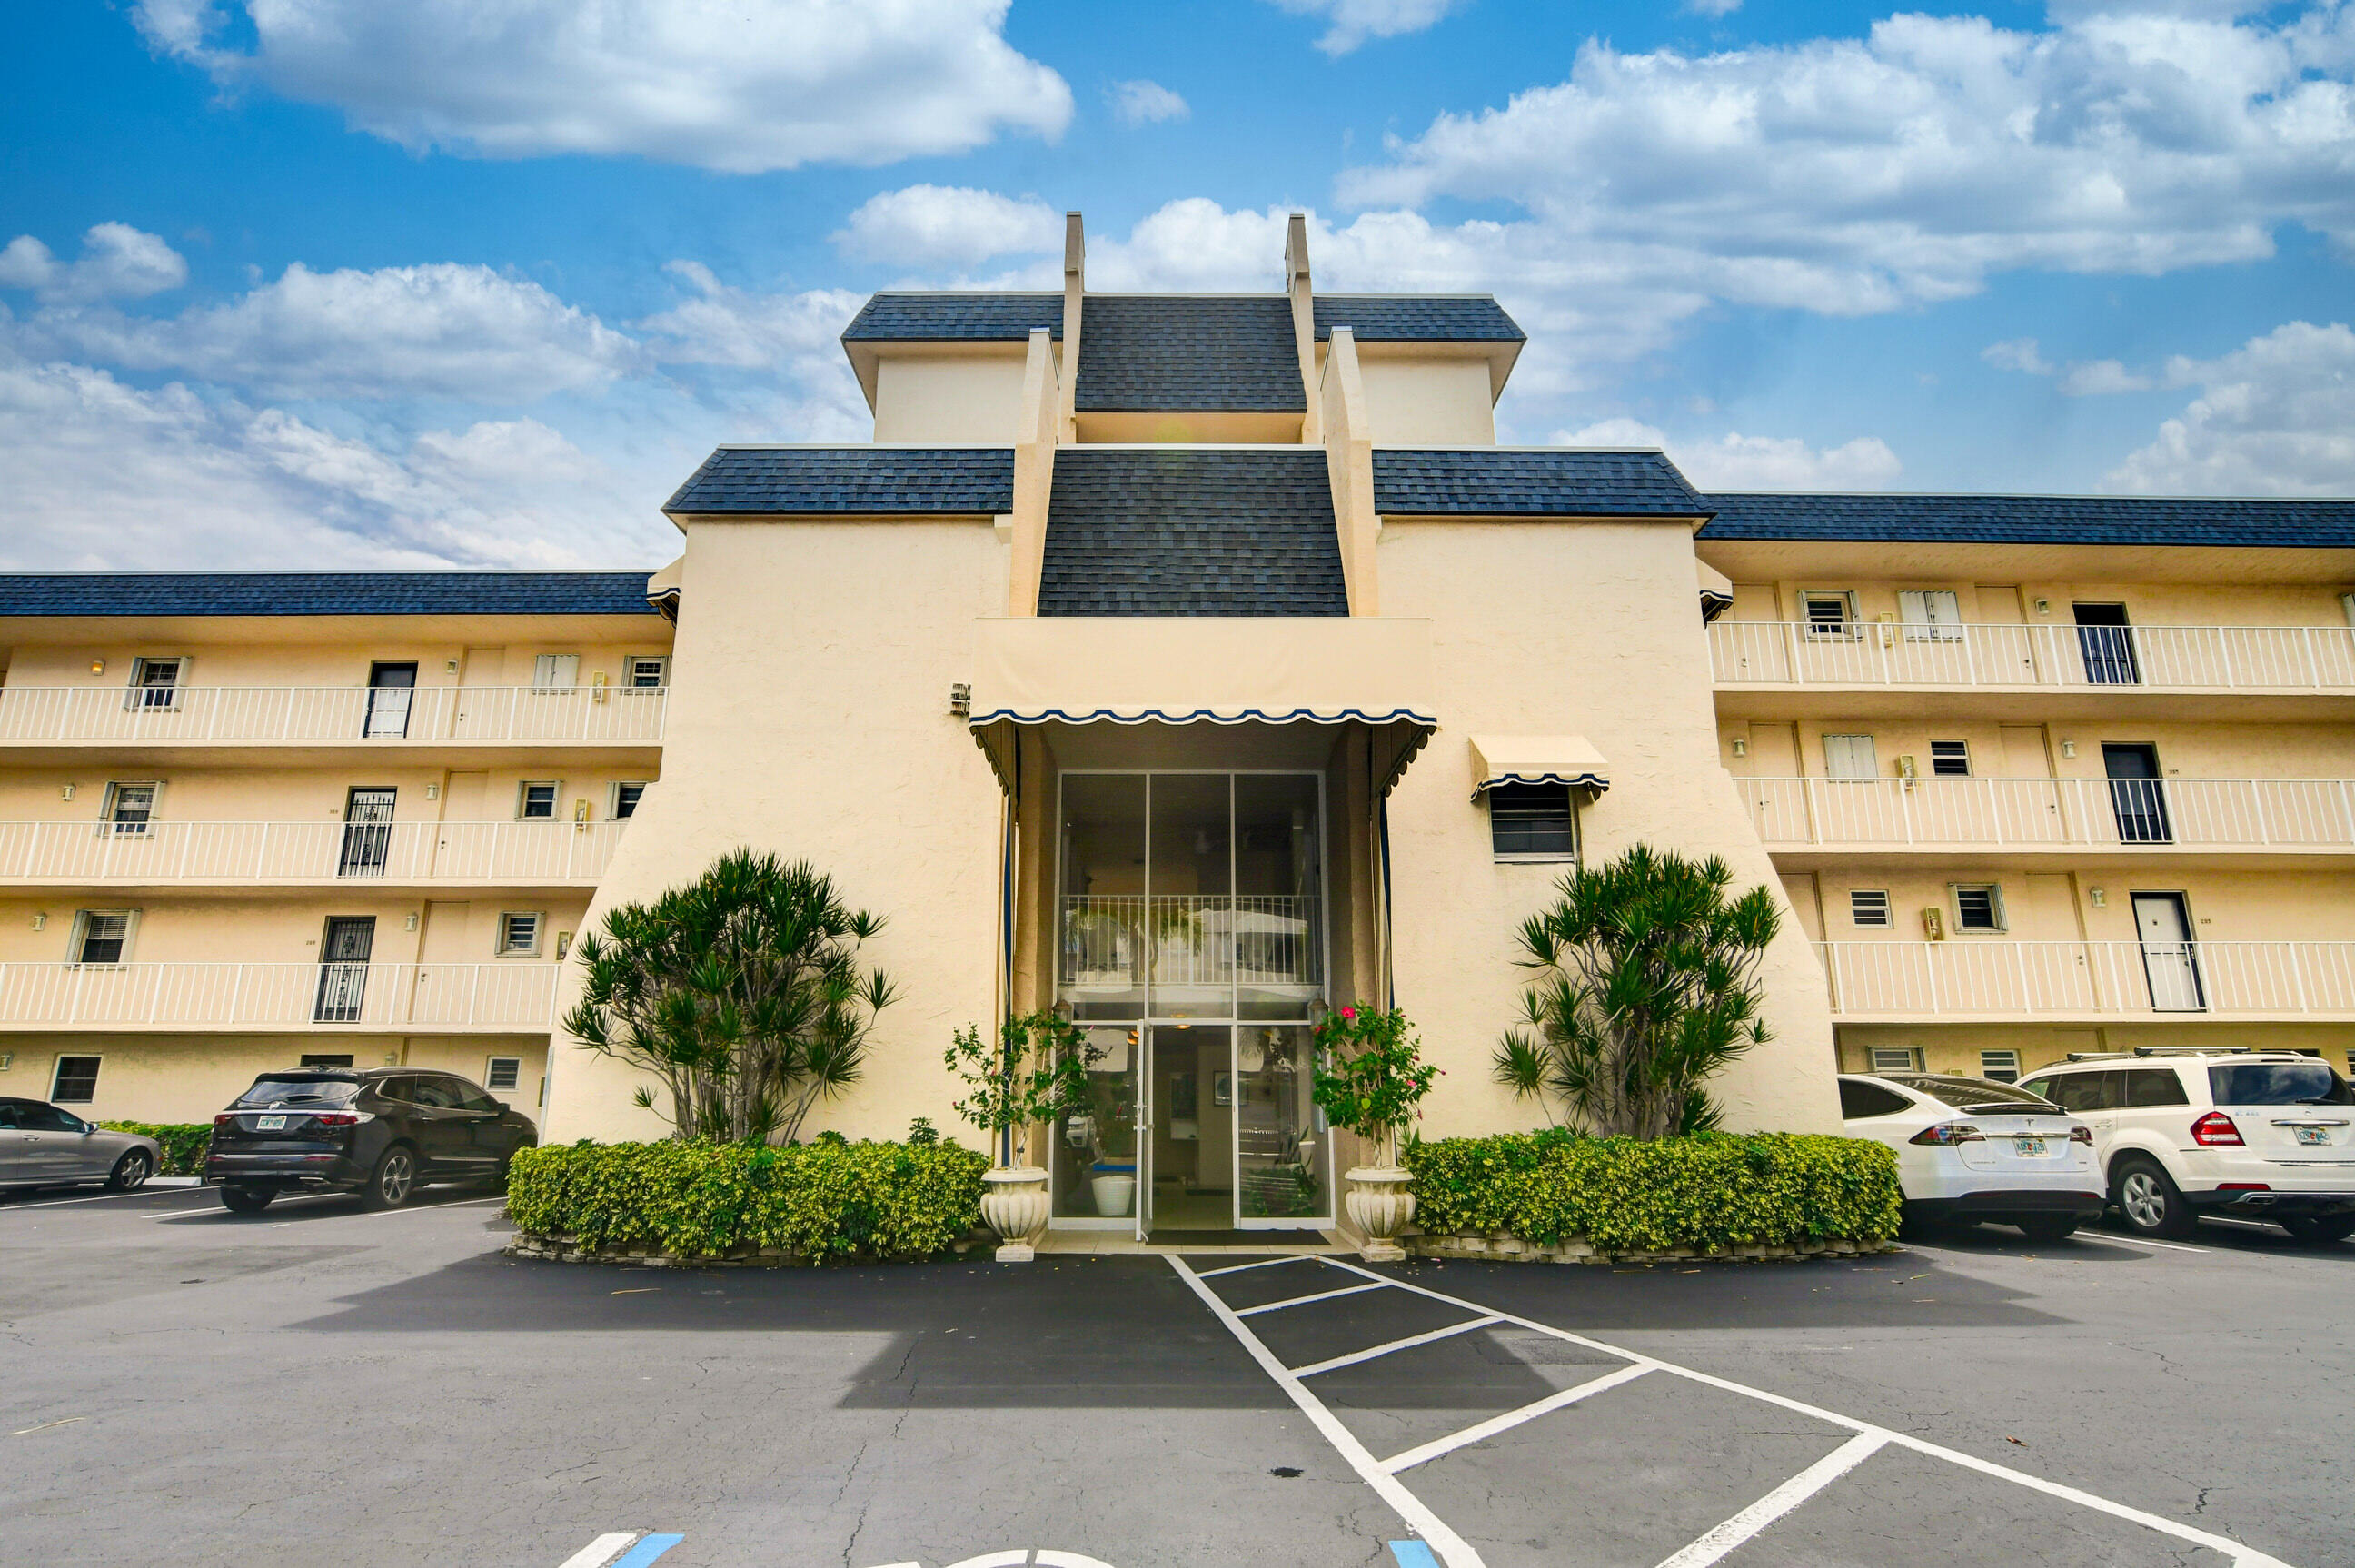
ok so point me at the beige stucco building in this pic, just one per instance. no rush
(1187, 663)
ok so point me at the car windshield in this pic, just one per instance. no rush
(1975, 1094)
(298, 1092)
(2276, 1083)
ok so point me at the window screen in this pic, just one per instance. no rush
(1532, 819)
(75, 1081)
(1869, 906)
(1950, 759)
(503, 1071)
(1978, 906)
(2003, 1066)
(518, 933)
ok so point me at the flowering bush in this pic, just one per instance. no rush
(1371, 1075)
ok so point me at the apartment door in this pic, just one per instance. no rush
(2170, 959)
(2029, 799)
(2137, 795)
(485, 707)
(367, 832)
(343, 968)
(392, 689)
(2106, 643)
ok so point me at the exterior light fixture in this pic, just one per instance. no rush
(1740, 747)
(2069, 748)
(40, 922)
(66, 792)
(97, 666)
(2044, 606)
(409, 923)
(961, 699)
(2098, 897)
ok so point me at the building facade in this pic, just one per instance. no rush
(1187, 663)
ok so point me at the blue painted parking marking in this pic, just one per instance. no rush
(1413, 1554)
(648, 1548)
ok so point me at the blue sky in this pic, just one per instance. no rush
(296, 282)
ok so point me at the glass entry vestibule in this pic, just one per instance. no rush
(1190, 930)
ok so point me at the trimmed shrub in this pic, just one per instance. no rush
(824, 1202)
(184, 1143)
(1707, 1191)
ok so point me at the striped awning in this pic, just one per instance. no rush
(1536, 759)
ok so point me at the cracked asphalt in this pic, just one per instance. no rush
(315, 1384)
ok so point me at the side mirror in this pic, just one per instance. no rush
(502, 1106)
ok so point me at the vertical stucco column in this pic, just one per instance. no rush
(1349, 465)
(1075, 294)
(1304, 323)
(1039, 423)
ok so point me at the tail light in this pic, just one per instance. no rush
(2215, 1130)
(2081, 1133)
(1949, 1133)
(225, 1119)
(339, 1118)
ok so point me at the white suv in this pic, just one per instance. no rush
(2241, 1133)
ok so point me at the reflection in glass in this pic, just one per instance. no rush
(1282, 1158)
(1095, 1149)
(1100, 963)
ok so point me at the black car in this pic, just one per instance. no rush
(380, 1132)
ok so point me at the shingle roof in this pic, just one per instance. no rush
(1193, 353)
(953, 317)
(325, 593)
(1191, 531)
(1528, 482)
(1417, 318)
(2034, 519)
(939, 480)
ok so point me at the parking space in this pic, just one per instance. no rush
(179, 1383)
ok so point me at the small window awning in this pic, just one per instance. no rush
(1209, 671)
(1716, 591)
(1536, 759)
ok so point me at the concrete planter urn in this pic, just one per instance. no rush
(1015, 1204)
(1380, 1204)
(1114, 1194)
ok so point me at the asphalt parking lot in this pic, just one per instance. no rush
(320, 1384)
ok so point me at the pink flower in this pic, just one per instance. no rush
(1349, 1014)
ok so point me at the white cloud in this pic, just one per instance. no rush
(118, 262)
(1713, 9)
(1738, 461)
(1143, 102)
(2101, 377)
(1855, 176)
(2017, 354)
(740, 86)
(947, 226)
(2276, 417)
(439, 330)
(1353, 22)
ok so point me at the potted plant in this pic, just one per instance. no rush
(1371, 1076)
(1038, 1072)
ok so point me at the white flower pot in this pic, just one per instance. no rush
(1114, 1194)
(1379, 1203)
(1015, 1204)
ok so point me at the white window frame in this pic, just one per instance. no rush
(1850, 628)
(1857, 910)
(108, 827)
(555, 675)
(1935, 770)
(1994, 1061)
(56, 1065)
(539, 918)
(135, 697)
(1920, 620)
(555, 799)
(630, 672)
(491, 1073)
(1872, 754)
(1910, 1058)
(82, 917)
(1955, 891)
(613, 797)
(1536, 856)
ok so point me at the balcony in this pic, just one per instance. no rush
(2100, 665)
(1116, 942)
(1989, 979)
(513, 997)
(389, 718)
(338, 854)
(2250, 820)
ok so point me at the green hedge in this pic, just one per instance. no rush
(822, 1201)
(1705, 1191)
(184, 1143)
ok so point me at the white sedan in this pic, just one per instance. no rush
(1970, 1149)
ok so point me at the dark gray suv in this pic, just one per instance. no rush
(383, 1133)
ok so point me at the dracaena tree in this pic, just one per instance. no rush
(1643, 984)
(741, 991)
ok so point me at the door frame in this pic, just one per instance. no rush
(2190, 958)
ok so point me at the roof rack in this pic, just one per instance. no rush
(2147, 1051)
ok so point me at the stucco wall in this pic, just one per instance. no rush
(1427, 401)
(949, 400)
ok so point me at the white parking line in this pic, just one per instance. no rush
(1480, 1431)
(1263, 1262)
(1335, 1363)
(1723, 1540)
(93, 1197)
(1305, 1300)
(2138, 1242)
(601, 1550)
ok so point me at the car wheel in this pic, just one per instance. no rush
(2046, 1229)
(246, 1199)
(395, 1177)
(2149, 1201)
(2316, 1230)
(130, 1171)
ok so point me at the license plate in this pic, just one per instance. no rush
(2027, 1149)
(269, 1124)
(2312, 1134)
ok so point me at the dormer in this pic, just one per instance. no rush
(1434, 365)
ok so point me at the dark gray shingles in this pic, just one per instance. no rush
(1191, 531)
(954, 317)
(1188, 353)
(325, 593)
(1519, 482)
(2034, 519)
(1417, 318)
(940, 480)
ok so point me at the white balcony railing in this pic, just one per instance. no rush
(373, 716)
(1199, 939)
(339, 853)
(1996, 977)
(2296, 814)
(518, 995)
(1886, 653)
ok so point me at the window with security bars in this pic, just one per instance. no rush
(1829, 616)
(1532, 821)
(1950, 759)
(1896, 1059)
(2003, 1066)
(1978, 906)
(503, 1072)
(75, 1081)
(1869, 907)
